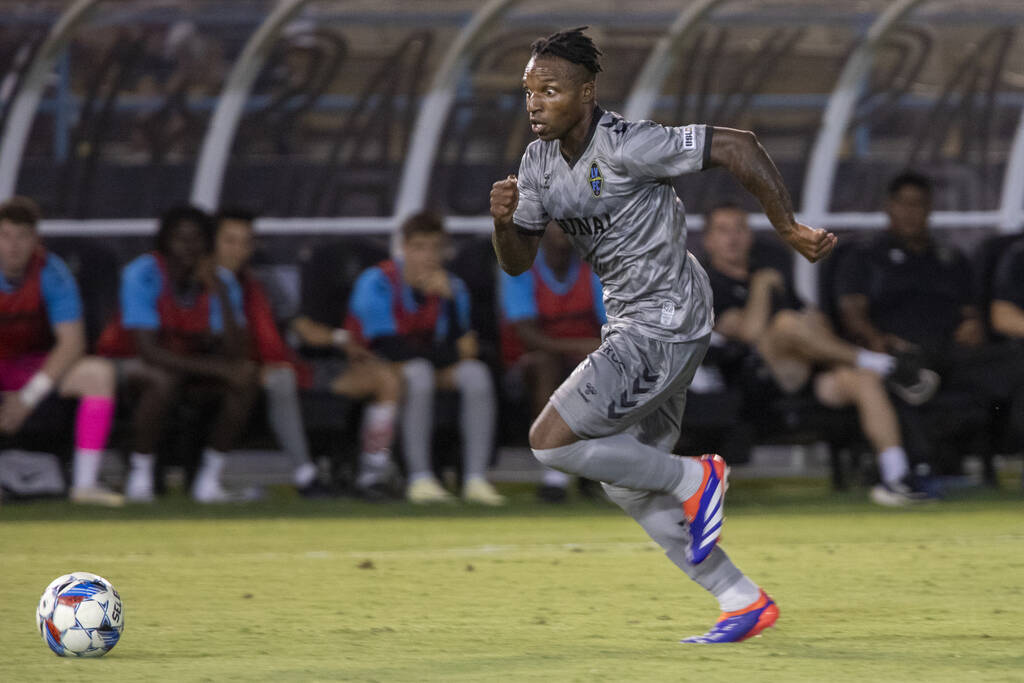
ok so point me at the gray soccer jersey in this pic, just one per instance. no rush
(618, 207)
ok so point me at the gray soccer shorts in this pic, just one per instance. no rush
(633, 384)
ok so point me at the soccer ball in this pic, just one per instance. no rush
(80, 615)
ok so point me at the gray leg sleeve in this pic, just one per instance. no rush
(662, 518)
(418, 416)
(476, 415)
(622, 460)
(284, 414)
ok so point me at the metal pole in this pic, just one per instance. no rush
(220, 134)
(821, 168)
(664, 54)
(23, 109)
(1011, 206)
(436, 105)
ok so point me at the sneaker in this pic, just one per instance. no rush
(732, 627)
(479, 490)
(703, 509)
(898, 494)
(96, 495)
(547, 493)
(208, 490)
(139, 488)
(427, 490)
(911, 382)
(377, 492)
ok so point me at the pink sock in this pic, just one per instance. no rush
(92, 427)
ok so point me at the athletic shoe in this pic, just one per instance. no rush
(426, 490)
(703, 509)
(911, 382)
(139, 488)
(96, 495)
(898, 494)
(479, 490)
(732, 627)
(552, 494)
(208, 490)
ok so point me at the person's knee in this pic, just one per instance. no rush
(474, 379)
(157, 383)
(388, 383)
(279, 378)
(541, 365)
(418, 375)
(91, 376)
(788, 324)
(549, 430)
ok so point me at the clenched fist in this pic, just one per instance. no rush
(812, 244)
(504, 199)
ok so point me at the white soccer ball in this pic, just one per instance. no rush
(80, 615)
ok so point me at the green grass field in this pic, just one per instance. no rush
(341, 591)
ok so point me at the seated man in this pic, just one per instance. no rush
(368, 378)
(757, 306)
(233, 248)
(42, 347)
(551, 319)
(906, 290)
(181, 335)
(1007, 307)
(416, 314)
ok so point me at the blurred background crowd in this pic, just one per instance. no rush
(273, 219)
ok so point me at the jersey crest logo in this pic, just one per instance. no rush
(596, 179)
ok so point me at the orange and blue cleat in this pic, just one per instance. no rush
(732, 627)
(703, 509)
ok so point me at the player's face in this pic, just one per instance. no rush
(555, 100)
(423, 254)
(908, 211)
(17, 242)
(234, 245)
(727, 237)
(186, 244)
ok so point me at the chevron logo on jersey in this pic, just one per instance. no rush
(596, 179)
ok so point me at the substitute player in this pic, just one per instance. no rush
(42, 348)
(605, 182)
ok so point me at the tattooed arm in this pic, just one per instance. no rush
(742, 155)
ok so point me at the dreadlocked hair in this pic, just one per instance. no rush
(571, 45)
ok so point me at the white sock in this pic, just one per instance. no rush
(741, 594)
(692, 478)
(213, 464)
(893, 465)
(142, 463)
(304, 475)
(555, 478)
(86, 468)
(880, 363)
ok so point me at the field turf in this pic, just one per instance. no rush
(289, 589)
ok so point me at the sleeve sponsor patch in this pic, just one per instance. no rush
(689, 138)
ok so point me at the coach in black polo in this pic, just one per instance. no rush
(905, 290)
(1007, 309)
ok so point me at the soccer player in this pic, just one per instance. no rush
(42, 346)
(551, 319)
(605, 182)
(757, 306)
(416, 314)
(233, 247)
(181, 335)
